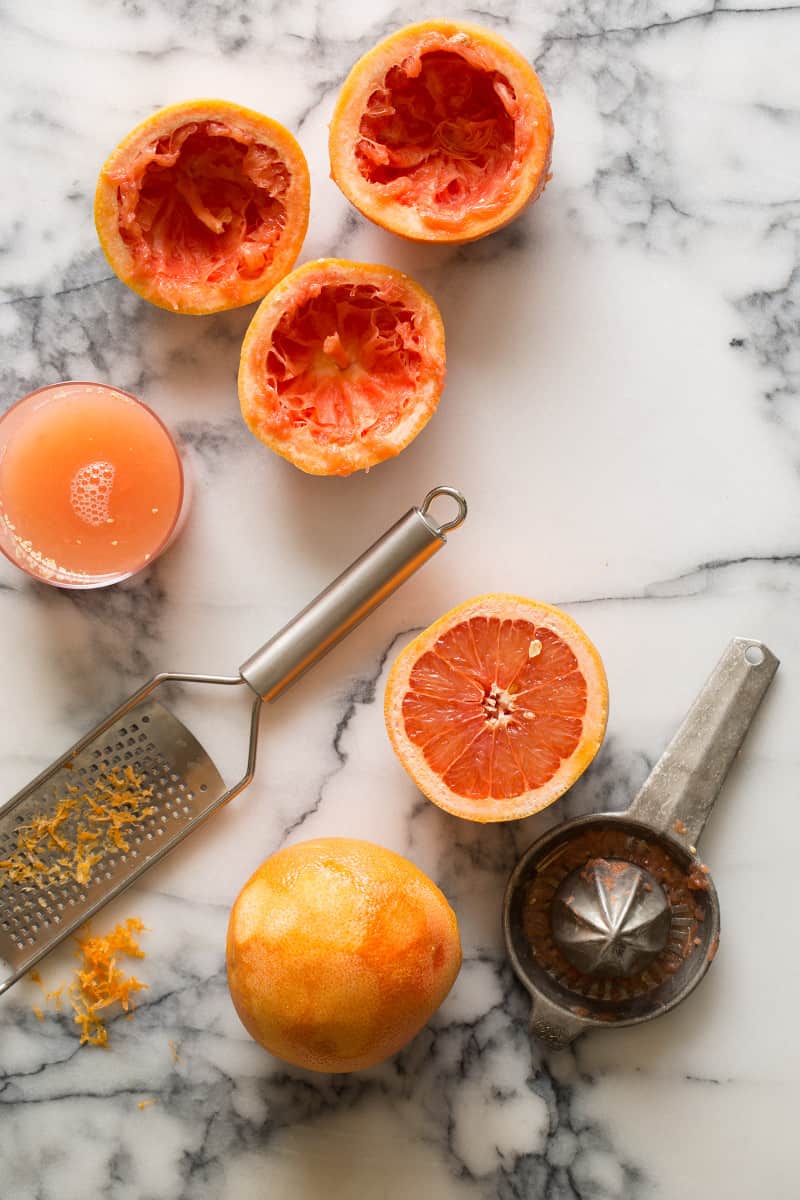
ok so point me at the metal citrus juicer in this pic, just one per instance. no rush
(185, 787)
(611, 919)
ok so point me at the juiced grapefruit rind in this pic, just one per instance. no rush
(338, 952)
(203, 206)
(441, 133)
(573, 707)
(342, 366)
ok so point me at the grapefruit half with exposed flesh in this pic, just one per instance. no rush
(496, 709)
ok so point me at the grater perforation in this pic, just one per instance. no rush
(163, 751)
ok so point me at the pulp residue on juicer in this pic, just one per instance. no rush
(680, 887)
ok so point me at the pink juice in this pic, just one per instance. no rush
(91, 484)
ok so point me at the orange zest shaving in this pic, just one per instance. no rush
(145, 1103)
(65, 845)
(99, 982)
(173, 1049)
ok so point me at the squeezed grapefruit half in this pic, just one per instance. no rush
(497, 708)
(441, 133)
(203, 206)
(342, 366)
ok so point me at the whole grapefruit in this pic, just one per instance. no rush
(342, 365)
(338, 952)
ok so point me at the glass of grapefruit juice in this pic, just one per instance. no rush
(91, 485)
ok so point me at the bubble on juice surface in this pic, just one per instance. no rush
(90, 492)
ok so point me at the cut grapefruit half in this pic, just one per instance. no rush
(441, 133)
(342, 366)
(496, 709)
(203, 206)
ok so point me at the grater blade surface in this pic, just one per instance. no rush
(186, 787)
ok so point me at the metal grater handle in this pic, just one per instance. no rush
(350, 598)
(182, 783)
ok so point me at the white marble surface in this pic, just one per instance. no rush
(621, 410)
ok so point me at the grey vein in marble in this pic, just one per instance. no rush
(621, 411)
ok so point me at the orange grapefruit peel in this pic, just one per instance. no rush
(441, 133)
(342, 366)
(203, 206)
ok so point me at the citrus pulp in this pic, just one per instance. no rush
(342, 366)
(203, 206)
(441, 133)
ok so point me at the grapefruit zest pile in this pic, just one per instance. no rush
(63, 847)
(344, 363)
(204, 202)
(85, 826)
(439, 133)
(99, 982)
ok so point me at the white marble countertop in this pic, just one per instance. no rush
(621, 411)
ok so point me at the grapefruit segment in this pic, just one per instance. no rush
(441, 133)
(497, 708)
(203, 206)
(342, 366)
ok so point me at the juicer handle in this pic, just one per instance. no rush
(678, 795)
(349, 599)
(553, 1025)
